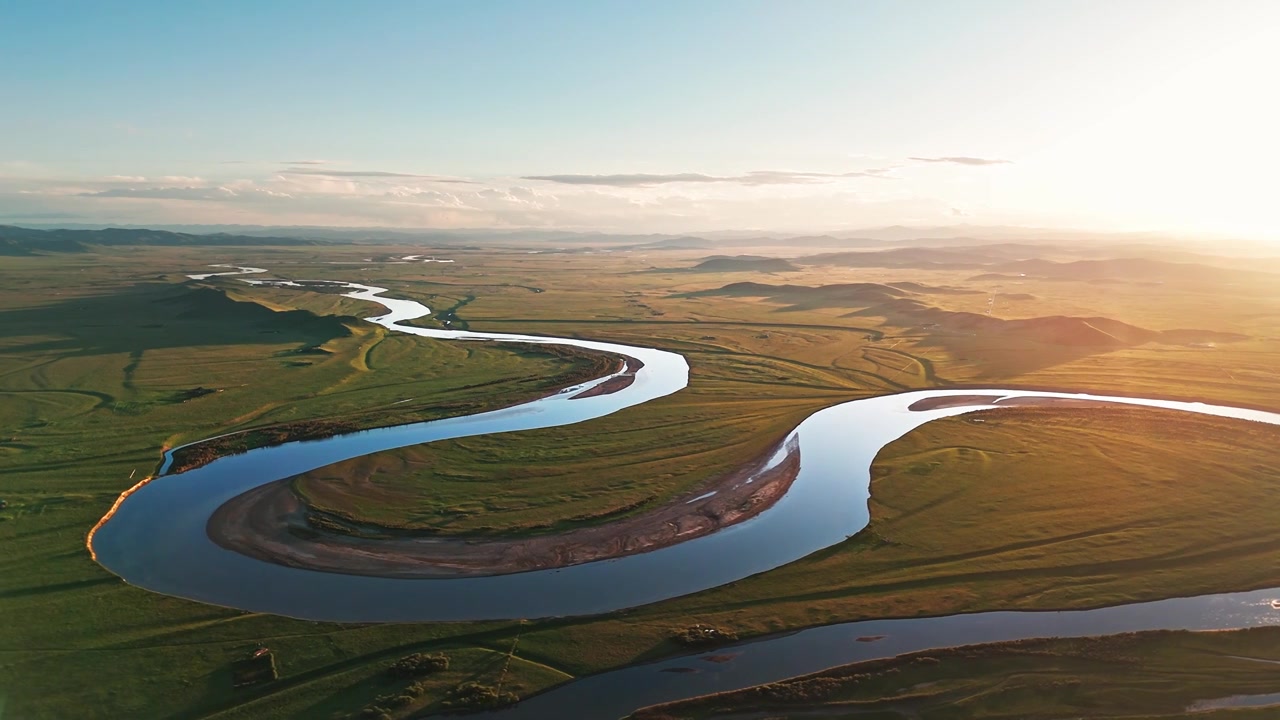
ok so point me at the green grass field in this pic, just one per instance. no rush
(99, 353)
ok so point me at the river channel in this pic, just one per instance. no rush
(156, 539)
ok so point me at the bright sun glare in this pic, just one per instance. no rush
(1196, 153)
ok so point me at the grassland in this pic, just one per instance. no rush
(555, 479)
(93, 406)
(1135, 676)
(562, 367)
(761, 361)
(1034, 510)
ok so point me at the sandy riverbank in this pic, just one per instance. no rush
(270, 523)
(614, 384)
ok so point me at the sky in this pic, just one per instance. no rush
(655, 116)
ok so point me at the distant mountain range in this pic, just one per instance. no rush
(899, 305)
(1012, 261)
(18, 241)
(960, 234)
(976, 245)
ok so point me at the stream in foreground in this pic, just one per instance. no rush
(616, 693)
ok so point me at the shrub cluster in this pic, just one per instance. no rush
(417, 665)
(476, 695)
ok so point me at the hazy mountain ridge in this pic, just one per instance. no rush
(16, 240)
(847, 295)
(895, 303)
(744, 263)
(1093, 331)
(1009, 261)
(960, 235)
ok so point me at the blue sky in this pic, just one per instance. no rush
(665, 116)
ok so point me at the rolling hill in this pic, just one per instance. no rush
(743, 263)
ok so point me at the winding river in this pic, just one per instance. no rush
(156, 538)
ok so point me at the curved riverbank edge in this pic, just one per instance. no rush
(620, 381)
(110, 513)
(270, 523)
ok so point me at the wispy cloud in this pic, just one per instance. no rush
(264, 192)
(165, 193)
(187, 192)
(306, 162)
(962, 160)
(349, 173)
(756, 177)
(370, 174)
(632, 180)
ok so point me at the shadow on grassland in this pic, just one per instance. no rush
(153, 316)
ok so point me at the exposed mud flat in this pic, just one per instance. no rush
(270, 523)
(621, 381)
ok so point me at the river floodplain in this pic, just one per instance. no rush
(757, 370)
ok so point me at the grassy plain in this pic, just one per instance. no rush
(87, 410)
